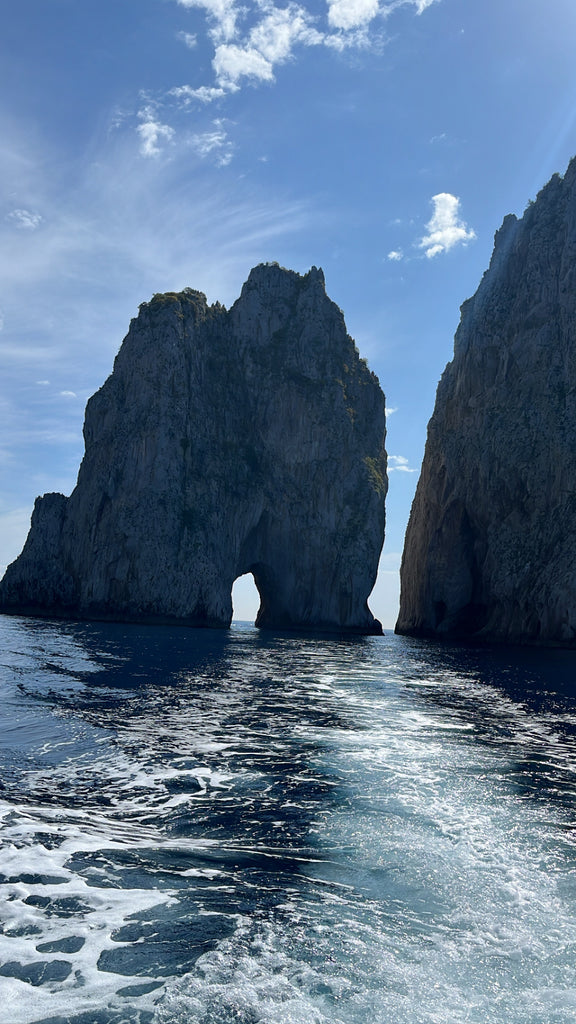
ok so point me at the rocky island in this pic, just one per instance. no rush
(248, 440)
(490, 549)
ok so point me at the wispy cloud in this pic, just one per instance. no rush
(25, 220)
(399, 464)
(188, 39)
(445, 228)
(390, 561)
(214, 142)
(395, 255)
(126, 228)
(391, 411)
(152, 132)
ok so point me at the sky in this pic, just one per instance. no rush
(150, 145)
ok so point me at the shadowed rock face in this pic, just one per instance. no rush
(224, 442)
(491, 544)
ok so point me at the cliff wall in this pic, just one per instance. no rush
(490, 548)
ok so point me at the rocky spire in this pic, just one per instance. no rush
(224, 442)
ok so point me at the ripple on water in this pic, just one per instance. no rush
(202, 828)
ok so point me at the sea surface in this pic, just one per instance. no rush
(234, 827)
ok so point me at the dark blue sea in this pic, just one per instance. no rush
(204, 827)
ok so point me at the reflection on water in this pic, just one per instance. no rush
(206, 826)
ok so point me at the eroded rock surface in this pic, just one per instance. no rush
(491, 543)
(224, 442)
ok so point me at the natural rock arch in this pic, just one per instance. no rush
(245, 598)
(224, 442)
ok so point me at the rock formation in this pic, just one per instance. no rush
(224, 442)
(491, 544)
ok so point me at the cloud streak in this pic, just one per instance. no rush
(214, 142)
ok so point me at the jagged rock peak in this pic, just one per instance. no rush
(272, 277)
(224, 442)
(490, 549)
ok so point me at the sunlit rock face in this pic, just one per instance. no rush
(224, 442)
(491, 545)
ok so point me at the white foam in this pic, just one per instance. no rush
(422, 888)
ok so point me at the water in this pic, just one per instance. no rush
(206, 828)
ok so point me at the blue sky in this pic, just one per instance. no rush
(149, 145)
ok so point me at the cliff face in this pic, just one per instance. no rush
(224, 442)
(491, 543)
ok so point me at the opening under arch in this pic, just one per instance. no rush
(245, 599)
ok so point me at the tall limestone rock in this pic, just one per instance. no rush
(491, 544)
(224, 442)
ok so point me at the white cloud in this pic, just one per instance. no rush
(390, 412)
(68, 394)
(25, 220)
(205, 93)
(222, 14)
(399, 464)
(151, 132)
(43, 382)
(347, 14)
(420, 5)
(233, 62)
(358, 38)
(395, 255)
(271, 41)
(445, 227)
(188, 39)
(273, 33)
(277, 33)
